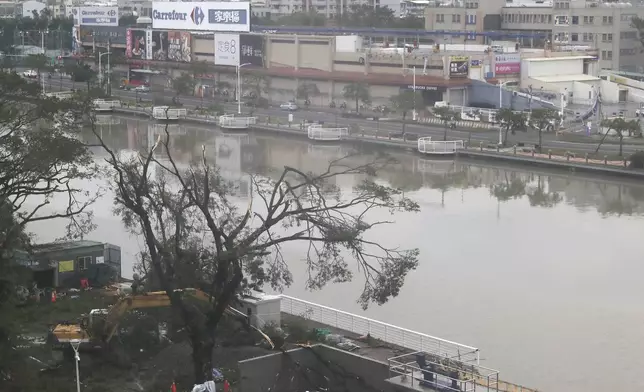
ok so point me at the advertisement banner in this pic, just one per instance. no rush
(171, 46)
(135, 47)
(227, 49)
(98, 16)
(252, 49)
(459, 66)
(128, 43)
(201, 16)
(66, 266)
(148, 44)
(507, 64)
(103, 34)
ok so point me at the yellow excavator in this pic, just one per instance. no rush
(96, 329)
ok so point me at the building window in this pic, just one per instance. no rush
(607, 54)
(84, 262)
(628, 35)
(607, 38)
(588, 37)
(471, 5)
(456, 18)
(574, 37)
(575, 20)
(471, 36)
(471, 19)
(440, 18)
(607, 20)
(627, 52)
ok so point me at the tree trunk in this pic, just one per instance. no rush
(445, 132)
(357, 107)
(505, 137)
(621, 144)
(201, 358)
(540, 147)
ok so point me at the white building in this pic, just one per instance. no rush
(27, 9)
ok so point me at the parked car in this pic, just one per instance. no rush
(142, 89)
(290, 106)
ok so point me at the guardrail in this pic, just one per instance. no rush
(317, 132)
(101, 105)
(427, 146)
(232, 122)
(168, 113)
(406, 338)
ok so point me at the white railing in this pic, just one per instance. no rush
(101, 105)
(232, 122)
(427, 146)
(60, 94)
(317, 132)
(167, 113)
(388, 333)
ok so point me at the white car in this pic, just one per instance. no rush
(30, 73)
(142, 89)
(290, 106)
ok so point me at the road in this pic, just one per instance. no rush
(369, 126)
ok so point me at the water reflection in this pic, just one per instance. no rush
(520, 263)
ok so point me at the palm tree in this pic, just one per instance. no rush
(358, 92)
(447, 116)
(183, 85)
(510, 121)
(542, 120)
(407, 100)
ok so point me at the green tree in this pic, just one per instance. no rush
(621, 127)
(128, 20)
(307, 90)
(543, 120)
(406, 101)
(38, 162)
(511, 121)
(358, 92)
(638, 24)
(82, 73)
(37, 62)
(448, 117)
(183, 84)
(256, 85)
(241, 248)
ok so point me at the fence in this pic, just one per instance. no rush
(388, 333)
(316, 132)
(232, 122)
(167, 113)
(427, 146)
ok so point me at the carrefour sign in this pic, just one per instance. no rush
(202, 16)
(97, 16)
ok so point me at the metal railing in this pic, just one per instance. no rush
(427, 146)
(233, 122)
(104, 105)
(167, 113)
(388, 333)
(316, 132)
(446, 374)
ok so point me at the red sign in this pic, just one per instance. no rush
(507, 68)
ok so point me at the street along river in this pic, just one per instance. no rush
(540, 270)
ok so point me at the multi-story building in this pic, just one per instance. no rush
(536, 23)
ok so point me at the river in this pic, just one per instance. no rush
(540, 270)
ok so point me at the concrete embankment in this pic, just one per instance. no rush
(568, 164)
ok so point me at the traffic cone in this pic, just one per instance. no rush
(53, 296)
(173, 388)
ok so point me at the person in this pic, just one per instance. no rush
(136, 284)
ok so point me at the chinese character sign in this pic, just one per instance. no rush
(229, 16)
(459, 67)
(227, 49)
(507, 64)
(252, 49)
(179, 46)
(103, 34)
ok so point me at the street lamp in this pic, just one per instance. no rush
(501, 84)
(413, 86)
(100, 68)
(239, 86)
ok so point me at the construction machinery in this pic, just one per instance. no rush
(96, 329)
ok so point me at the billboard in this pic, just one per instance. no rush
(459, 66)
(507, 64)
(148, 44)
(171, 46)
(135, 47)
(227, 49)
(104, 34)
(201, 16)
(252, 49)
(98, 16)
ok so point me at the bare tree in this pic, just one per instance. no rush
(174, 206)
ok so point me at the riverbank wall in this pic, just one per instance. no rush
(606, 168)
